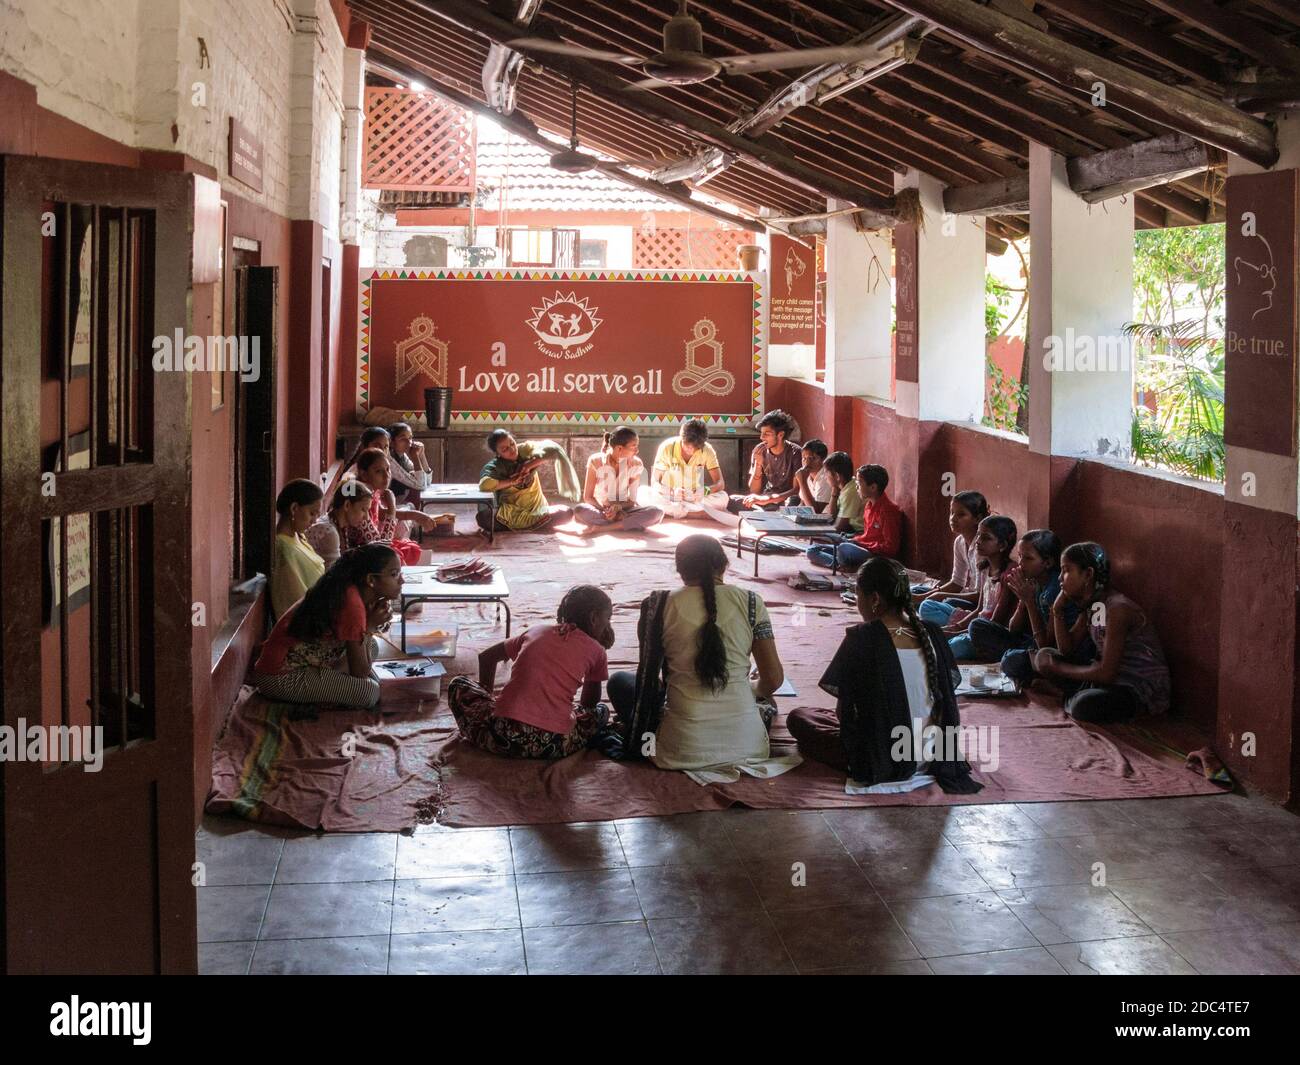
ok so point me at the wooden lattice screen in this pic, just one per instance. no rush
(688, 249)
(417, 142)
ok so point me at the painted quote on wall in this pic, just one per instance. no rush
(562, 345)
(794, 291)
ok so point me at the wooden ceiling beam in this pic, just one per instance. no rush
(1205, 119)
(1236, 29)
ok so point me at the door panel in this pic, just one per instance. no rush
(96, 544)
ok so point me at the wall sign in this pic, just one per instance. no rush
(1260, 334)
(794, 292)
(906, 305)
(563, 346)
(245, 155)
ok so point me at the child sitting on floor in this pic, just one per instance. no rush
(1129, 675)
(1037, 587)
(965, 512)
(374, 436)
(295, 565)
(994, 542)
(321, 650)
(535, 715)
(349, 508)
(812, 480)
(381, 522)
(610, 490)
(407, 463)
(846, 502)
(893, 672)
(882, 526)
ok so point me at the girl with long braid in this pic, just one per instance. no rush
(321, 649)
(714, 722)
(1129, 675)
(892, 672)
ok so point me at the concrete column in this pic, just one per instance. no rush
(1080, 297)
(858, 312)
(354, 131)
(939, 293)
(1259, 681)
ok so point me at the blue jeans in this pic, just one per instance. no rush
(845, 557)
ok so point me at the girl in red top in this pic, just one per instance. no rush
(382, 521)
(321, 649)
(535, 715)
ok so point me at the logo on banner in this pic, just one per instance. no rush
(564, 325)
(422, 353)
(1263, 274)
(794, 268)
(704, 371)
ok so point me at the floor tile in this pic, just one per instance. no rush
(1177, 812)
(1025, 961)
(491, 952)
(592, 949)
(692, 890)
(1272, 951)
(916, 967)
(338, 858)
(960, 924)
(350, 956)
(737, 944)
(915, 874)
(235, 858)
(883, 828)
(990, 824)
(465, 852)
(1024, 863)
(1182, 904)
(312, 911)
(1070, 913)
(455, 904)
(589, 896)
(757, 833)
(561, 848)
(806, 882)
(1135, 956)
(1126, 856)
(231, 913)
(864, 933)
(225, 959)
(1077, 818)
(687, 839)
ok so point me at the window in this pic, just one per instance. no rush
(532, 247)
(592, 252)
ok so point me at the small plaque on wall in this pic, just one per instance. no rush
(245, 155)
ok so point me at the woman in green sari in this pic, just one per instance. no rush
(512, 475)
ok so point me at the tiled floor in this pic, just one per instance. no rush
(1162, 886)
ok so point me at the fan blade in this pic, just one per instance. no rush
(806, 57)
(541, 44)
(651, 83)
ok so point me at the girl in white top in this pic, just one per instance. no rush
(962, 590)
(610, 491)
(407, 463)
(715, 722)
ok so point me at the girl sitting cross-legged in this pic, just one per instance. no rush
(348, 509)
(407, 463)
(1129, 676)
(994, 542)
(609, 494)
(381, 521)
(512, 475)
(893, 680)
(535, 715)
(961, 590)
(321, 650)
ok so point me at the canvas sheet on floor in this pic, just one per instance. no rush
(282, 767)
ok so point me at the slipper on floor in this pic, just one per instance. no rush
(1207, 762)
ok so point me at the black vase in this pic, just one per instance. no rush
(437, 407)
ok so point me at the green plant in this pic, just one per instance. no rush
(1183, 368)
(1005, 398)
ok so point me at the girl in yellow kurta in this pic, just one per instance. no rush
(512, 475)
(295, 566)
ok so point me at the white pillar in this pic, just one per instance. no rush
(948, 275)
(858, 312)
(1080, 297)
(354, 130)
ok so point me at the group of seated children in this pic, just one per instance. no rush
(700, 700)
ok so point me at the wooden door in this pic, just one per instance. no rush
(95, 619)
(255, 313)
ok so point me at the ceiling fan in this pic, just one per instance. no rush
(569, 160)
(683, 62)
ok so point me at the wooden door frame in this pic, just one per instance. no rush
(33, 801)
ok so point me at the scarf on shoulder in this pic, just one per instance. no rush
(566, 477)
(867, 681)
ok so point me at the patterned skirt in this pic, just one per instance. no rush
(475, 713)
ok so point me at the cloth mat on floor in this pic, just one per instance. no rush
(276, 765)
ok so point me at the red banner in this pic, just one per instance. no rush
(1260, 343)
(794, 292)
(563, 346)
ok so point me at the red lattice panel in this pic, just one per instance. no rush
(416, 142)
(688, 249)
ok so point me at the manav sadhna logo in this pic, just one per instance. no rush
(564, 326)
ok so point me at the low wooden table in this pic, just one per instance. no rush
(773, 523)
(420, 585)
(462, 493)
